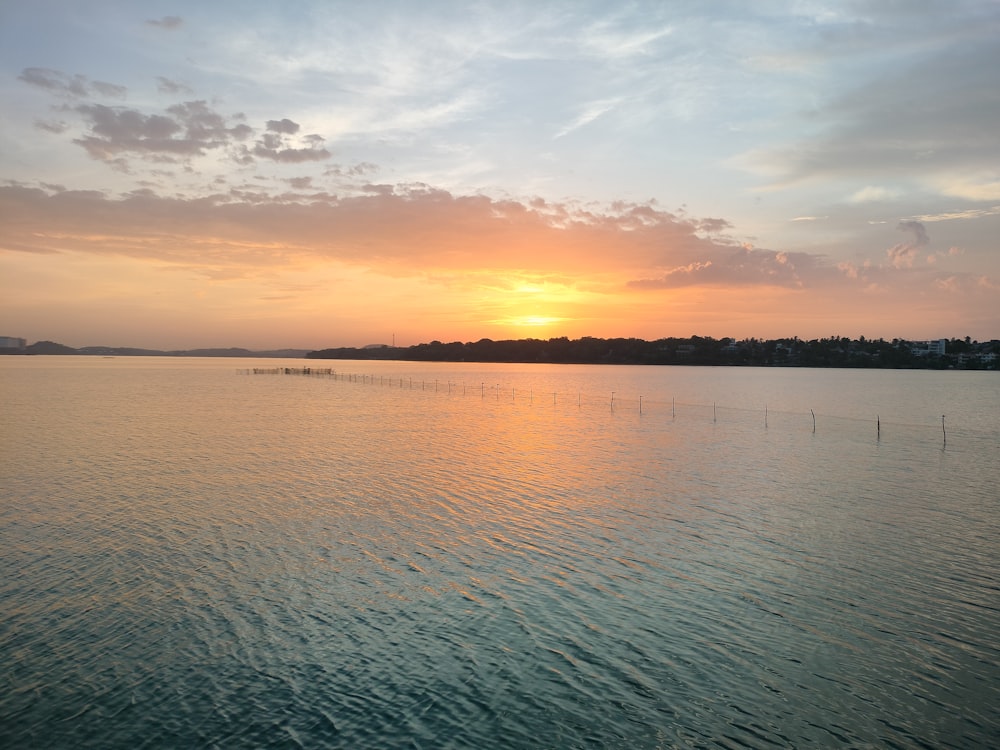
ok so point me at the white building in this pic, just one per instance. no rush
(929, 348)
(10, 342)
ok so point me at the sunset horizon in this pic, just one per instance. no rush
(499, 374)
(338, 176)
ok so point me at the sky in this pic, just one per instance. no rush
(317, 174)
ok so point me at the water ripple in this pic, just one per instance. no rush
(193, 561)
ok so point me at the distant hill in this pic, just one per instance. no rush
(51, 347)
(48, 347)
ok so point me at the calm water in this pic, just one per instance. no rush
(453, 556)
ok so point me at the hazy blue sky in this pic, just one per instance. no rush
(324, 173)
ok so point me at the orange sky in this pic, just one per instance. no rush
(426, 265)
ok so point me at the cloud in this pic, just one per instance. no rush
(275, 146)
(931, 121)
(903, 254)
(283, 126)
(167, 86)
(591, 112)
(744, 267)
(952, 252)
(76, 86)
(182, 131)
(189, 129)
(205, 125)
(603, 41)
(169, 23)
(414, 224)
(679, 276)
(973, 186)
(356, 170)
(972, 213)
(413, 230)
(290, 155)
(713, 226)
(52, 127)
(115, 130)
(871, 194)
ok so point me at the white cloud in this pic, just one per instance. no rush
(872, 194)
(971, 213)
(606, 42)
(590, 113)
(973, 187)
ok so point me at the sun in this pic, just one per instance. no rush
(532, 306)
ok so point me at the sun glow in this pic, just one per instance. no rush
(524, 301)
(533, 320)
(529, 289)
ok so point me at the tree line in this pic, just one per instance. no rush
(834, 351)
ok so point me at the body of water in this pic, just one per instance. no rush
(412, 555)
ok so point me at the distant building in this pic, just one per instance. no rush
(929, 348)
(10, 342)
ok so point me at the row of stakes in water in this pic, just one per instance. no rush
(351, 377)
